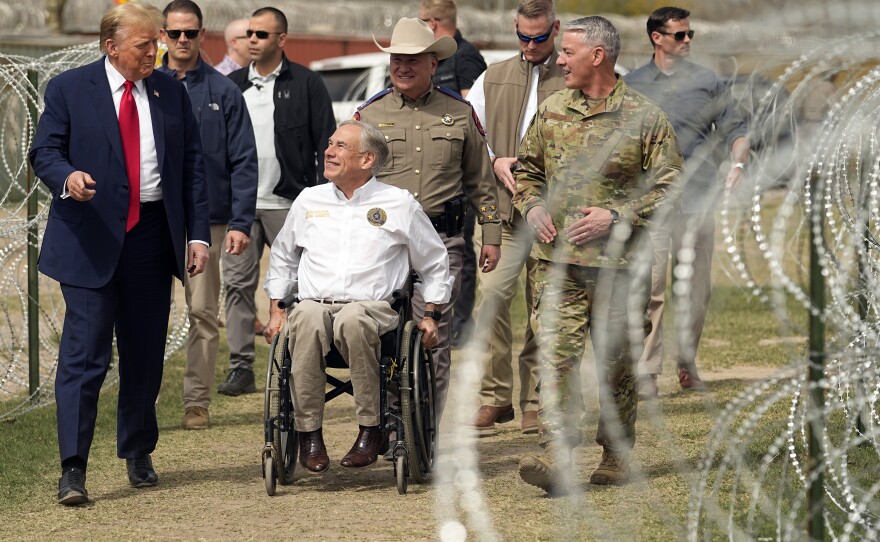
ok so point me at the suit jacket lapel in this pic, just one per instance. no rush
(158, 120)
(102, 98)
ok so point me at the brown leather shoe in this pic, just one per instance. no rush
(312, 452)
(689, 379)
(648, 387)
(371, 442)
(488, 415)
(529, 423)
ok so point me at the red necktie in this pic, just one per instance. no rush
(130, 131)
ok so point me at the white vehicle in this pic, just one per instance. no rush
(352, 79)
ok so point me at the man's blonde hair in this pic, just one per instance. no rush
(128, 15)
(442, 10)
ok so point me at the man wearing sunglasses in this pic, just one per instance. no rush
(707, 124)
(293, 119)
(231, 166)
(505, 97)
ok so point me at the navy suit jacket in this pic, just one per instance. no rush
(79, 131)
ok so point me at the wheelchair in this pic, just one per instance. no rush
(405, 366)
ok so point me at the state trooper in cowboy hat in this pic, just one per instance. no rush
(438, 153)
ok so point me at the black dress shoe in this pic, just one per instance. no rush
(72, 487)
(140, 472)
(371, 442)
(312, 452)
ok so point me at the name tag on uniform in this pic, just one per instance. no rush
(385, 124)
(317, 214)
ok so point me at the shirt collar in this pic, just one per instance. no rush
(271, 76)
(359, 193)
(401, 99)
(116, 79)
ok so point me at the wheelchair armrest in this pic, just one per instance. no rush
(288, 302)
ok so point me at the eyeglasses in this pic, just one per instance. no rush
(261, 34)
(175, 34)
(679, 36)
(537, 39)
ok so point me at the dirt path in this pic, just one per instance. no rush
(211, 486)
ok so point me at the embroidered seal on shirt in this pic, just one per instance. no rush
(376, 216)
(447, 119)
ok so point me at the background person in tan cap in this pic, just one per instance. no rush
(438, 153)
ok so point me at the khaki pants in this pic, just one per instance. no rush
(354, 328)
(497, 290)
(242, 274)
(203, 301)
(683, 233)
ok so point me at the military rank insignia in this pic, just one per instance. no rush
(376, 216)
(447, 119)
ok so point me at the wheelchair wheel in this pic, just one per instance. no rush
(400, 473)
(269, 472)
(418, 404)
(281, 439)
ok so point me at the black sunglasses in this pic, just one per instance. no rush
(679, 36)
(190, 34)
(261, 34)
(537, 39)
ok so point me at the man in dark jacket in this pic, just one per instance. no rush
(231, 167)
(293, 118)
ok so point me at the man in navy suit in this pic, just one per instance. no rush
(119, 147)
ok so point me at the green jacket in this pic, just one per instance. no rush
(619, 154)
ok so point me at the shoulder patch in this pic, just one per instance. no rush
(379, 95)
(477, 122)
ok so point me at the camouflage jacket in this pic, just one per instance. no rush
(621, 154)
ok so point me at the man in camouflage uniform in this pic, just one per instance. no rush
(438, 150)
(597, 161)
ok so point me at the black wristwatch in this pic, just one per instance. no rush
(433, 315)
(615, 216)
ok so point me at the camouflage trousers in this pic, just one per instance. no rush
(609, 304)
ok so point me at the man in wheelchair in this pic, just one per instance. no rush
(344, 248)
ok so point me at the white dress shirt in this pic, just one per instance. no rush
(477, 98)
(150, 189)
(261, 107)
(358, 249)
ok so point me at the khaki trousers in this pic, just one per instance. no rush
(354, 328)
(497, 291)
(242, 275)
(203, 300)
(691, 237)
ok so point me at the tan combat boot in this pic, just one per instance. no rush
(613, 470)
(551, 471)
(195, 418)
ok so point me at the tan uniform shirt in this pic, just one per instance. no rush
(437, 152)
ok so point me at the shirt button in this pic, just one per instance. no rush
(415, 194)
(386, 138)
(125, 187)
(417, 172)
(415, 108)
(418, 127)
(448, 134)
(122, 219)
(418, 149)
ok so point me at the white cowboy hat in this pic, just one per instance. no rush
(412, 36)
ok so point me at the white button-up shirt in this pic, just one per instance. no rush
(358, 249)
(150, 187)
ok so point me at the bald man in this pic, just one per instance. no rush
(237, 54)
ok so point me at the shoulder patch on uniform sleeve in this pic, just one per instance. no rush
(477, 122)
(377, 96)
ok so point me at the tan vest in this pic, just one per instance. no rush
(506, 85)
